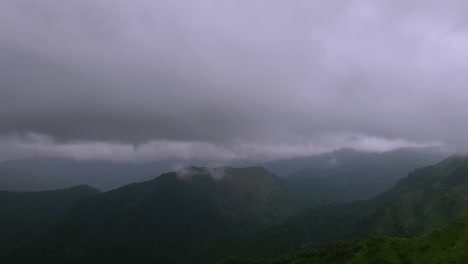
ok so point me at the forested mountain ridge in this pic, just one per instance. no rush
(23, 215)
(166, 219)
(203, 215)
(445, 245)
(427, 199)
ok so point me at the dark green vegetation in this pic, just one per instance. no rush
(310, 228)
(429, 198)
(200, 215)
(446, 245)
(168, 219)
(22, 214)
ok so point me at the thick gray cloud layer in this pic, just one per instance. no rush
(241, 78)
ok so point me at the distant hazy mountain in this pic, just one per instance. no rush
(348, 175)
(165, 220)
(350, 157)
(38, 174)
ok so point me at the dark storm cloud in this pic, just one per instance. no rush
(239, 78)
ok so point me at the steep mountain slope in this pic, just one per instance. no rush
(347, 175)
(166, 220)
(426, 199)
(447, 245)
(310, 228)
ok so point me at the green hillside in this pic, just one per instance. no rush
(18, 209)
(429, 198)
(310, 228)
(167, 219)
(446, 245)
(201, 215)
(23, 215)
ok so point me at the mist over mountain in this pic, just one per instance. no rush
(204, 215)
(38, 174)
(186, 132)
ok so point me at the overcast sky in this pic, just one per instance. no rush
(220, 80)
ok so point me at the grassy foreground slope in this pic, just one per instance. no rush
(446, 245)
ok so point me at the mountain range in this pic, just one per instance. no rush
(331, 174)
(427, 199)
(168, 218)
(207, 215)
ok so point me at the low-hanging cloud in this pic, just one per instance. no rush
(16, 146)
(230, 79)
